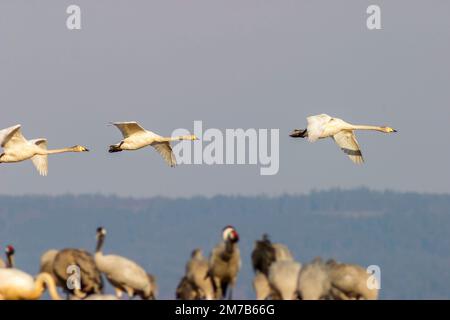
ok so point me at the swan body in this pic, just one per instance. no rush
(18, 285)
(135, 137)
(343, 133)
(16, 149)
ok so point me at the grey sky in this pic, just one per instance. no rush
(231, 64)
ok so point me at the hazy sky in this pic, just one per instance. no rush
(231, 64)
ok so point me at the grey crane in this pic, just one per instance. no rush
(122, 273)
(283, 279)
(225, 263)
(90, 279)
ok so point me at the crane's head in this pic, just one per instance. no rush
(9, 250)
(197, 253)
(230, 234)
(101, 233)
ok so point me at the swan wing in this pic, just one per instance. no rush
(128, 128)
(40, 162)
(165, 150)
(316, 126)
(346, 140)
(11, 136)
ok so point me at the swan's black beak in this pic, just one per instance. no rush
(297, 133)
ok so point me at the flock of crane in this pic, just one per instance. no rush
(277, 275)
(16, 148)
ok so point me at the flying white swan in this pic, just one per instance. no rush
(16, 148)
(136, 137)
(324, 126)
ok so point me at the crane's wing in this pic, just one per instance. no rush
(128, 128)
(165, 150)
(40, 162)
(346, 140)
(11, 136)
(316, 126)
(91, 278)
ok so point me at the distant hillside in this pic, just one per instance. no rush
(407, 235)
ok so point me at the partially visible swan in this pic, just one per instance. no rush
(324, 126)
(18, 285)
(136, 137)
(16, 149)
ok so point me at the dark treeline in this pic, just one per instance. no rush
(406, 234)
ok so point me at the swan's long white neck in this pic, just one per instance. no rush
(44, 152)
(367, 127)
(176, 138)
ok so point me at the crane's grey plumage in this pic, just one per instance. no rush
(265, 253)
(122, 273)
(46, 263)
(196, 273)
(225, 263)
(261, 286)
(101, 297)
(186, 290)
(283, 279)
(91, 280)
(350, 281)
(282, 252)
(314, 282)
